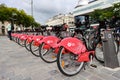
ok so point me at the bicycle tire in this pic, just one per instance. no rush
(99, 51)
(27, 45)
(34, 49)
(63, 65)
(92, 42)
(47, 55)
(21, 42)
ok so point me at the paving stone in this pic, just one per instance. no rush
(85, 73)
(107, 77)
(81, 77)
(94, 77)
(117, 74)
(106, 71)
(50, 78)
(27, 78)
(53, 72)
(18, 77)
(60, 76)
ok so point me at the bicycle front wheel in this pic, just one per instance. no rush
(21, 42)
(99, 55)
(47, 55)
(67, 63)
(27, 45)
(34, 49)
(92, 42)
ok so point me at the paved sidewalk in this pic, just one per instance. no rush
(16, 63)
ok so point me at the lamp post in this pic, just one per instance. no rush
(32, 12)
(32, 8)
(12, 20)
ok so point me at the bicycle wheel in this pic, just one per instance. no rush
(99, 51)
(92, 42)
(34, 49)
(27, 45)
(68, 64)
(47, 55)
(21, 42)
(16, 40)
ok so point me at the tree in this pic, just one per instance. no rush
(116, 9)
(107, 13)
(36, 24)
(3, 12)
(21, 17)
(95, 16)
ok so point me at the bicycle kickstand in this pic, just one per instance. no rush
(91, 62)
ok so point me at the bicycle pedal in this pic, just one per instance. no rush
(93, 65)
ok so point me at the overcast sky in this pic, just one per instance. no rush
(43, 9)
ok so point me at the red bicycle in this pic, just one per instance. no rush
(49, 47)
(72, 55)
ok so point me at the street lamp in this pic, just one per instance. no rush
(32, 8)
(32, 12)
(12, 20)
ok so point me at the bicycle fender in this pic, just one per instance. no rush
(51, 40)
(74, 45)
(85, 57)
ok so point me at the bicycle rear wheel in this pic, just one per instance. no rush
(67, 63)
(47, 55)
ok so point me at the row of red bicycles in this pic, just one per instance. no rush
(70, 50)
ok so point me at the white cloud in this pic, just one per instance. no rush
(84, 2)
(43, 9)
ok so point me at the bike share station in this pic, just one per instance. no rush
(110, 54)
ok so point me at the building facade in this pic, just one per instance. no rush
(60, 19)
(91, 6)
(3, 28)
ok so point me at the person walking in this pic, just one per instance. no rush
(65, 27)
(9, 30)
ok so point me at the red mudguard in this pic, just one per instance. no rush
(85, 57)
(74, 45)
(51, 41)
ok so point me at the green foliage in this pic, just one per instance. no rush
(96, 14)
(21, 17)
(116, 9)
(100, 14)
(36, 24)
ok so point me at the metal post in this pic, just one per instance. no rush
(12, 20)
(32, 11)
(110, 55)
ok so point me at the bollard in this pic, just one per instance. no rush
(110, 55)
